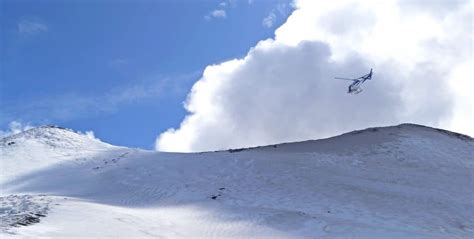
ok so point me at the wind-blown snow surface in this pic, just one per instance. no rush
(404, 181)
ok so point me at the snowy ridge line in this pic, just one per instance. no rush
(355, 132)
(35, 129)
(31, 132)
(54, 136)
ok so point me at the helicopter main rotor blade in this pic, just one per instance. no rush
(339, 78)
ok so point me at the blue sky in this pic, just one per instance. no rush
(119, 68)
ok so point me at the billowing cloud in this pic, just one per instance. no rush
(284, 89)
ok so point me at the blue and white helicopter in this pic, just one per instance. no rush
(354, 88)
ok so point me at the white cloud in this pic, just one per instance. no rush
(89, 134)
(31, 27)
(218, 13)
(15, 127)
(269, 20)
(284, 90)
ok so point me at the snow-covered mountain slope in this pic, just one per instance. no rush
(45, 146)
(405, 181)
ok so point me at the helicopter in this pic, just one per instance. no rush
(354, 88)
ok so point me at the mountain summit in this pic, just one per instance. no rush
(52, 136)
(405, 181)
